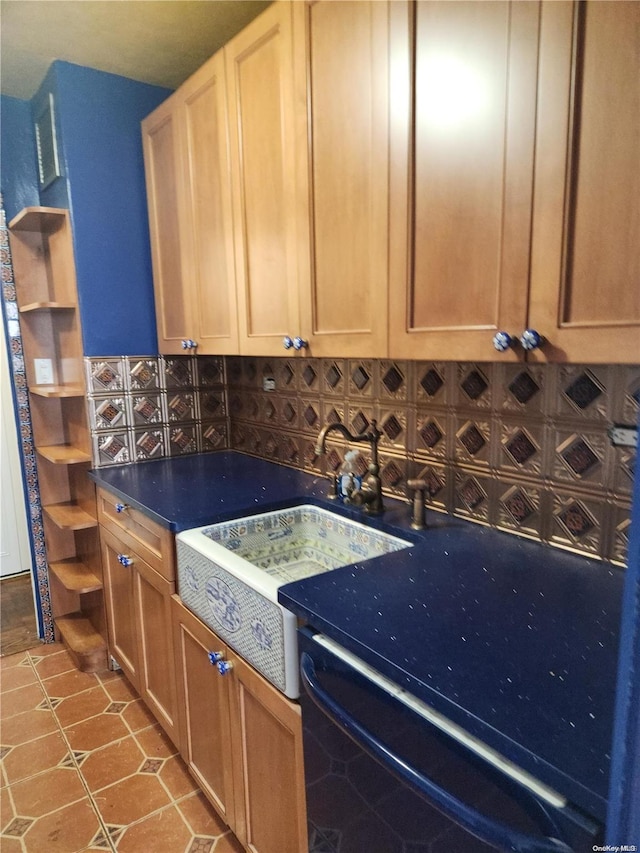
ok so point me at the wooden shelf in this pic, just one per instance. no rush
(63, 454)
(47, 306)
(46, 283)
(87, 647)
(57, 390)
(42, 219)
(69, 516)
(75, 576)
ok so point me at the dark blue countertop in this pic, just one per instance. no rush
(206, 488)
(512, 639)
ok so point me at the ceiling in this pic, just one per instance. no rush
(155, 41)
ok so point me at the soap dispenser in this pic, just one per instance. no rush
(348, 479)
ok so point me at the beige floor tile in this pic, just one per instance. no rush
(11, 845)
(118, 687)
(20, 700)
(111, 764)
(229, 844)
(75, 709)
(201, 817)
(131, 799)
(25, 727)
(67, 830)
(34, 757)
(176, 777)
(137, 716)
(6, 808)
(96, 732)
(155, 743)
(47, 792)
(10, 661)
(16, 676)
(163, 832)
(43, 650)
(69, 683)
(53, 663)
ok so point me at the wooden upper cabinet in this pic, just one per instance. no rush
(161, 151)
(585, 270)
(262, 122)
(189, 192)
(210, 264)
(345, 54)
(462, 93)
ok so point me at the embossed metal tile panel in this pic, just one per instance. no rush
(145, 407)
(497, 443)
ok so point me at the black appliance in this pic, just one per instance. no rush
(387, 774)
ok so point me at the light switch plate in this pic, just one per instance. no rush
(43, 370)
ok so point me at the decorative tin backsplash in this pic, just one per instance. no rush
(149, 407)
(523, 448)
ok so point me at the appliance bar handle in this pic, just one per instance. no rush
(487, 830)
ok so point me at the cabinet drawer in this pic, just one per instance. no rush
(152, 542)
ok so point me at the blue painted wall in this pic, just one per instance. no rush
(98, 119)
(99, 116)
(623, 820)
(18, 175)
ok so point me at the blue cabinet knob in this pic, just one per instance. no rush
(530, 339)
(300, 343)
(214, 657)
(125, 560)
(502, 341)
(189, 343)
(287, 342)
(121, 507)
(224, 666)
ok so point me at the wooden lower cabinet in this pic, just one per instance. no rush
(203, 710)
(138, 603)
(242, 741)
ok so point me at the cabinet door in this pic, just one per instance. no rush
(585, 269)
(156, 666)
(160, 136)
(208, 260)
(121, 609)
(461, 178)
(259, 65)
(267, 739)
(203, 710)
(346, 48)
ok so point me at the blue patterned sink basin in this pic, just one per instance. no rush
(229, 574)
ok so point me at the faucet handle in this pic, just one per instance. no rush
(418, 520)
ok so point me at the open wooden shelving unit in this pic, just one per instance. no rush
(42, 250)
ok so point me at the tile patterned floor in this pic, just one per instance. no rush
(86, 768)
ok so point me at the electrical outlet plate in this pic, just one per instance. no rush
(43, 368)
(623, 436)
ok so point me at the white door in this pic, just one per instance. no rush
(15, 555)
